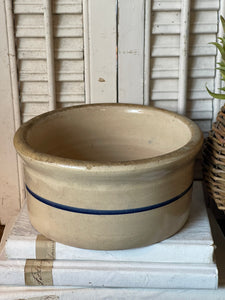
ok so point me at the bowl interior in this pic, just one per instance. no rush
(108, 134)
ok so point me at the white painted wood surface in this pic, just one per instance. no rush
(184, 55)
(15, 88)
(50, 59)
(131, 33)
(95, 26)
(101, 50)
(118, 274)
(36, 6)
(192, 244)
(68, 293)
(165, 51)
(9, 187)
(147, 51)
(49, 52)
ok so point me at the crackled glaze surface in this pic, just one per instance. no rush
(108, 176)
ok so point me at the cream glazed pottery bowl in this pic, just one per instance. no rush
(108, 176)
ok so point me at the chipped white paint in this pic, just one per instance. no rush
(16, 111)
(48, 24)
(86, 52)
(47, 69)
(199, 45)
(164, 46)
(100, 41)
(131, 23)
(147, 51)
(167, 67)
(65, 25)
(36, 6)
(9, 187)
(12, 63)
(183, 59)
(165, 52)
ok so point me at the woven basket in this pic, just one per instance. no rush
(214, 161)
(214, 148)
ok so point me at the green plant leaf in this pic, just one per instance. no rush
(222, 64)
(223, 76)
(215, 95)
(220, 48)
(223, 22)
(221, 68)
(222, 71)
(222, 40)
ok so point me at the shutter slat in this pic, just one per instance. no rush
(41, 54)
(169, 22)
(167, 67)
(38, 88)
(205, 125)
(200, 115)
(195, 110)
(199, 45)
(64, 25)
(38, 31)
(60, 97)
(165, 5)
(36, 6)
(68, 54)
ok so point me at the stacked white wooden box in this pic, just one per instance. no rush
(184, 261)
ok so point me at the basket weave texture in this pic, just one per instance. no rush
(214, 161)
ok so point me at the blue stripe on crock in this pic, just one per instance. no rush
(107, 212)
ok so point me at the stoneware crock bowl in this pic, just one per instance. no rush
(108, 176)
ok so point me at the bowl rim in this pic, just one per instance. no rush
(185, 153)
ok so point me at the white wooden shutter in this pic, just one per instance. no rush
(117, 66)
(165, 56)
(9, 183)
(152, 41)
(35, 78)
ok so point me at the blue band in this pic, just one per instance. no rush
(107, 212)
